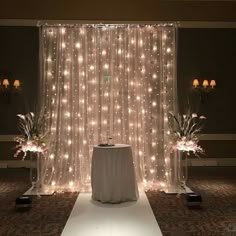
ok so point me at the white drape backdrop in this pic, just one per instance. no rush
(101, 81)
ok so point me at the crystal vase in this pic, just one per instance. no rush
(182, 169)
(35, 173)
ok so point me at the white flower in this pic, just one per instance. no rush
(184, 130)
(21, 116)
(33, 134)
(202, 117)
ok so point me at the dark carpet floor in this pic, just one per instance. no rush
(48, 215)
(217, 215)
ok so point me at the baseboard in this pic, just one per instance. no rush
(15, 164)
(212, 162)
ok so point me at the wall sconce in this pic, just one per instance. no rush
(7, 89)
(204, 88)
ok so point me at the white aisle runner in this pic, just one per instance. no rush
(91, 218)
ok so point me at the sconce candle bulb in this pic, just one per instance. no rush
(195, 83)
(213, 83)
(16, 83)
(5, 83)
(204, 89)
(205, 83)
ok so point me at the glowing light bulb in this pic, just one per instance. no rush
(154, 104)
(70, 169)
(53, 183)
(63, 45)
(162, 184)
(63, 31)
(154, 48)
(69, 142)
(69, 128)
(104, 52)
(51, 156)
(66, 156)
(77, 45)
(168, 50)
(106, 66)
(153, 158)
(164, 37)
(80, 59)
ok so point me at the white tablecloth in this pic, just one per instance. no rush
(113, 176)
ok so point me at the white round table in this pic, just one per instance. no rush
(113, 176)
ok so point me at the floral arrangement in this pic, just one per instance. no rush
(33, 135)
(185, 130)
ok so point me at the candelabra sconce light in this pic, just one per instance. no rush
(8, 89)
(203, 88)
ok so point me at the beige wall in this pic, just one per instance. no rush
(126, 10)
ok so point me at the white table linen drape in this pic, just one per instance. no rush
(113, 177)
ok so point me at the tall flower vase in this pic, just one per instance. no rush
(182, 169)
(35, 173)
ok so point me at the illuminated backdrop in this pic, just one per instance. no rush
(103, 81)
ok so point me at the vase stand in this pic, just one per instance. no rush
(34, 192)
(177, 190)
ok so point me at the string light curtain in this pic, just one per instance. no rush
(102, 81)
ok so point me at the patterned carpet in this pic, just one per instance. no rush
(49, 214)
(217, 216)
